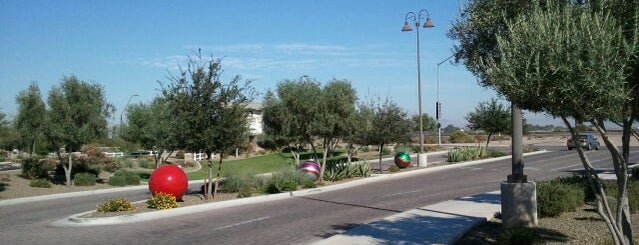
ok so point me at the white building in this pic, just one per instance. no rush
(255, 118)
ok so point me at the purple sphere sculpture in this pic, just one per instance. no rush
(402, 159)
(311, 169)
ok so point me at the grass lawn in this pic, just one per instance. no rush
(257, 165)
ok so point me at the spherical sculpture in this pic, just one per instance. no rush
(311, 169)
(402, 159)
(169, 179)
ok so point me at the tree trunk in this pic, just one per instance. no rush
(67, 169)
(324, 155)
(209, 183)
(32, 150)
(219, 171)
(381, 148)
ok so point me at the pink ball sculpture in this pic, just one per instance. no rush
(169, 179)
(311, 169)
(402, 159)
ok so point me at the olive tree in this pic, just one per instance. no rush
(29, 120)
(150, 126)
(390, 125)
(576, 63)
(77, 114)
(490, 116)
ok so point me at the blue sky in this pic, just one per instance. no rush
(128, 46)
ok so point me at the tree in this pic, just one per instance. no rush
(77, 114)
(449, 129)
(149, 125)
(4, 132)
(30, 118)
(209, 115)
(429, 123)
(359, 129)
(330, 123)
(577, 62)
(390, 125)
(490, 116)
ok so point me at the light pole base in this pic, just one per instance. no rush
(422, 161)
(518, 204)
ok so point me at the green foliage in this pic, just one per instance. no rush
(130, 178)
(516, 236)
(286, 180)
(144, 163)
(149, 125)
(428, 123)
(40, 183)
(555, 198)
(610, 187)
(490, 116)
(34, 168)
(125, 162)
(495, 153)
(117, 181)
(115, 205)
(162, 201)
(84, 179)
(466, 153)
(30, 120)
(237, 182)
(344, 170)
(460, 137)
(94, 158)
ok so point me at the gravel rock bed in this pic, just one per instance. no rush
(584, 226)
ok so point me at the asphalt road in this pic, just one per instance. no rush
(297, 220)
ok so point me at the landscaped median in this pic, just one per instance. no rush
(81, 220)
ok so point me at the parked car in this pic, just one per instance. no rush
(587, 141)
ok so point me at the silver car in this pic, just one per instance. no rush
(587, 141)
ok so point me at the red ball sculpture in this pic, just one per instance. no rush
(169, 179)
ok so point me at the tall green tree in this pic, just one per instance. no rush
(359, 128)
(390, 125)
(290, 113)
(428, 122)
(577, 62)
(209, 115)
(490, 116)
(331, 122)
(77, 114)
(29, 121)
(149, 125)
(5, 132)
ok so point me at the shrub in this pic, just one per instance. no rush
(125, 163)
(94, 158)
(162, 201)
(40, 183)
(115, 205)
(130, 178)
(285, 180)
(84, 179)
(117, 181)
(34, 168)
(554, 198)
(516, 236)
(237, 182)
(466, 153)
(497, 153)
(460, 137)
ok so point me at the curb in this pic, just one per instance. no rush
(76, 220)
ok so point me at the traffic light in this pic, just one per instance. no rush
(438, 110)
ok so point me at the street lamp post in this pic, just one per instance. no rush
(121, 113)
(421, 15)
(438, 105)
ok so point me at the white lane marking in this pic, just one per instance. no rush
(403, 193)
(532, 168)
(555, 169)
(242, 223)
(471, 168)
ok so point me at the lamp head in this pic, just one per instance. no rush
(406, 27)
(428, 23)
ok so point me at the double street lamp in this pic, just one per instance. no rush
(417, 18)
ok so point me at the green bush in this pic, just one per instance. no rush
(117, 181)
(130, 178)
(40, 183)
(115, 205)
(237, 182)
(497, 154)
(516, 236)
(84, 179)
(126, 163)
(610, 187)
(555, 198)
(285, 180)
(34, 168)
(143, 163)
(162, 201)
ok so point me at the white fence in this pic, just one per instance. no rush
(114, 154)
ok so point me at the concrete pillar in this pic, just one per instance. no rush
(421, 160)
(518, 204)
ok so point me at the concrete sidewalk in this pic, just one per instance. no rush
(441, 223)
